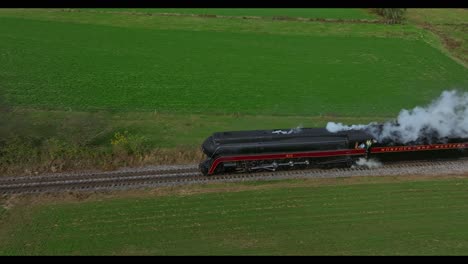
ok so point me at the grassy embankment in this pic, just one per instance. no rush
(71, 80)
(449, 24)
(349, 216)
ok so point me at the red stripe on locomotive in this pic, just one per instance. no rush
(419, 147)
(316, 154)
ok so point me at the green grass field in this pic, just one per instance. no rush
(76, 77)
(71, 79)
(333, 13)
(54, 65)
(264, 26)
(367, 216)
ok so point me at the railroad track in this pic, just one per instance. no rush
(181, 175)
(93, 181)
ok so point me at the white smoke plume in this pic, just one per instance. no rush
(447, 116)
(369, 163)
(298, 128)
(336, 127)
(291, 131)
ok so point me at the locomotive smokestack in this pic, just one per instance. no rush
(446, 116)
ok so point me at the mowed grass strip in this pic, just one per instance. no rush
(332, 13)
(87, 67)
(425, 217)
(262, 26)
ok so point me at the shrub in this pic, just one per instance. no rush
(392, 15)
(17, 153)
(125, 144)
(57, 155)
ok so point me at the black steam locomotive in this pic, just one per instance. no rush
(249, 151)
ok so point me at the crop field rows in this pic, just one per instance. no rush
(136, 69)
(391, 218)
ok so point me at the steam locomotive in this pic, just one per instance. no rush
(271, 150)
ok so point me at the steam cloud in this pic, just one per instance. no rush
(295, 130)
(447, 116)
(371, 163)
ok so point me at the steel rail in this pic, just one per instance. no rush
(190, 175)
